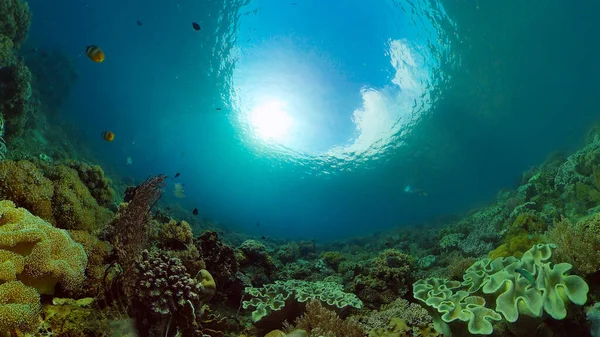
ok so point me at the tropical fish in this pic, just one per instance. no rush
(218, 109)
(195, 211)
(108, 136)
(139, 23)
(178, 191)
(177, 174)
(526, 274)
(129, 161)
(95, 53)
(196, 26)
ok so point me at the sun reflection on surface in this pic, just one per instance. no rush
(271, 120)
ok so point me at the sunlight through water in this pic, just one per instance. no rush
(271, 120)
(298, 96)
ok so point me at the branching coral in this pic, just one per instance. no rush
(412, 314)
(165, 289)
(578, 244)
(129, 235)
(320, 321)
(389, 277)
(164, 286)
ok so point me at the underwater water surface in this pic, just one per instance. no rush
(326, 119)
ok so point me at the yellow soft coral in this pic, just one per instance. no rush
(73, 205)
(24, 184)
(19, 307)
(176, 234)
(38, 254)
(93, 177)
(97, 252)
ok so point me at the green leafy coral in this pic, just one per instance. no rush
(528, 286)
(281, 296)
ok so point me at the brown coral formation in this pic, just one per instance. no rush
(176, 235)
(579, 243)
(221, 262)
(320, 321)
(98, 252)
(389, 277)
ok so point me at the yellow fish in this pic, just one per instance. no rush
(95, 53)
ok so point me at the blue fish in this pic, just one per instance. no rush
(526, 274)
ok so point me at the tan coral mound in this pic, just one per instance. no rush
(19, 307)
(38, 254)
(25, 184)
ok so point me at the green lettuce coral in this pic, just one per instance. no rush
(529, 286)
(283, 298)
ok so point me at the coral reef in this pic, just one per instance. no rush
(98, 253)
(15, 77)
(176, 235)
(221, 262)
(274, 303)
(25, 184)
(19, 307)
(397, 319)
(593, 315)
(333, 259)
(164, 289)
(38, 254)
(15, 18)
(529, 286)
(15, 92)
(388, 278)
(68, 317)
(320, 321)
(73, 205)
(578, 244)
(128, 231)
(95, 181)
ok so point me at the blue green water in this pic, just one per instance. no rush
(329, 109)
